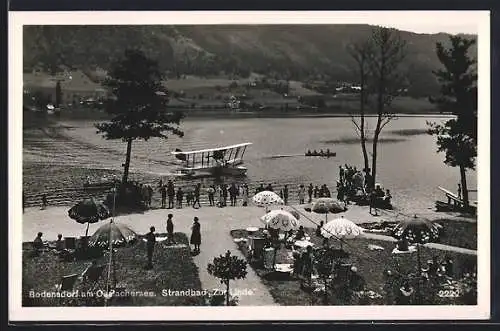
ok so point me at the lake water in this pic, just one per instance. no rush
(408, 163)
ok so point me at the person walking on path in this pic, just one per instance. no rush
(285, 194)
(211, 193)
(151, 240)
(233, 193)
(170, 229)
(310, 191)
(196, 235)
(302, 193)
(180, 196)
(219, 196)
(316, 192)
(44, 201)
(171, 194)
(197, 196)
(163, 191)
(224, 195)
(373, 202)
(260, 188)
(244, 195)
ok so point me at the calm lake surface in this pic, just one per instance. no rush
(408, 163)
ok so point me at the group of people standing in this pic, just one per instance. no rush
(194, 240)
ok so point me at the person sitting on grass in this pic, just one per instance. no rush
(38, 242)
(307, 265)
(59, 243)
(318, 229)
(402, 245)
(301, 234)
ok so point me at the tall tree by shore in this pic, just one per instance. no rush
(361, 53)
(138, 103)
(378, 64)
(457, 137)
(389, 53)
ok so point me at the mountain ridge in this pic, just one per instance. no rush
(298, 52)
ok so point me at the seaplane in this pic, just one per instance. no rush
(220, 161)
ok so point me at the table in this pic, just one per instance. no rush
(302, 244)
(251, 230)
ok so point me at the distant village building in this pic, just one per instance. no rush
(76, 87)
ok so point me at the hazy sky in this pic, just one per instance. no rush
(416, 21)
(427, 22)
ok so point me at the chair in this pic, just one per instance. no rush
(67, 283)
(92, 273)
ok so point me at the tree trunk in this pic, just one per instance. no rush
(127, 161)
(465, 192)
(374, 159)
(87, 231)
(362, 126)
(227, 293)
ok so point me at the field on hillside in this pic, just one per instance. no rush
(191, 92)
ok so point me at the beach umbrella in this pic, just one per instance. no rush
(115, 233)
(280, 220)
(326, 206)
(341, 228)
(266, 199)
(88, 211)
(417, 231)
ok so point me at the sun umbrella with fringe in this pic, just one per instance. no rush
(89, 211)
(266, 199)
(417, 231)
(341, 228)
(281, 220)
(116, 233)
(327, 206)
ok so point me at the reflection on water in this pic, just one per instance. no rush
(408, 162)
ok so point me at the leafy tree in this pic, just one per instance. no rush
(457, 137)
(138, 104)
(227, 267)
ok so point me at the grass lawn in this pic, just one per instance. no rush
(173, 269)
(370, 264)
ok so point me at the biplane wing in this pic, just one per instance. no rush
(212, 157)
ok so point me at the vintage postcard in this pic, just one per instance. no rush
(203, 166)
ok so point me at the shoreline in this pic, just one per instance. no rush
(93, 115)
